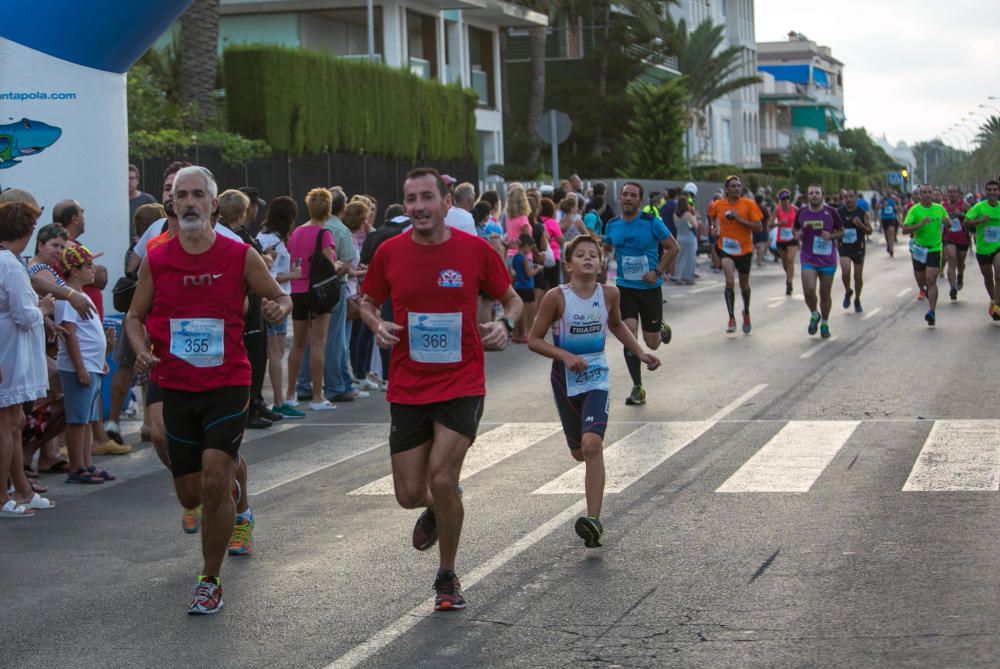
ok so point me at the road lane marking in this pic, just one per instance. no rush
(424, 610)
(811, 352)
(315, 457)
(958, 455)
(490, 448)
(793, 459)
(903, 292)
(871, 313)
(632, 457)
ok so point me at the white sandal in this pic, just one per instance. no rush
(14, 510)
(39, 502)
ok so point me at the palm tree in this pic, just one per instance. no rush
(989, 131)
(199, 45)
(708, 75)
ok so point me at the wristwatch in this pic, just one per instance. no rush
(658, 272)
(507, 323)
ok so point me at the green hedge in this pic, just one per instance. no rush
(309, 102)
(781, 176)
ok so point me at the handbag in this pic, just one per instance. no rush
(123, 291)
(324, 284)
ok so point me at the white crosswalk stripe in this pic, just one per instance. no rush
(632, 457)
(793, 459)
(490, 449)
(314, 457)
(958, 455)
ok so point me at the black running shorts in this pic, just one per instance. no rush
(644, 305)
(856, 254)
(413, 424)
(987, 258)
(199, 421)
(933, 261)
(742, 262)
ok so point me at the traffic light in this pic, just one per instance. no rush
(904, 173)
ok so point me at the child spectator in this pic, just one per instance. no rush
(81, 368)
(524, 285)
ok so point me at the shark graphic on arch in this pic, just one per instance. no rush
(25, 138)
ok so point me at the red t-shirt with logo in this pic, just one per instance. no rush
(434, 291)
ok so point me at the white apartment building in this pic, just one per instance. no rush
(729, 133)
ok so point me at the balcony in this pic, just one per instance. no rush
(775, 142)
(420, 67)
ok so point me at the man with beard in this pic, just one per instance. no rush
(186, 325)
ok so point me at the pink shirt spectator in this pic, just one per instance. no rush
(555, 233)
(301, 246)
(515, 228)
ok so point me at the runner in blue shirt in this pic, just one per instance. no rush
(636, 239)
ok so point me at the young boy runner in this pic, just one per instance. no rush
(581, 313)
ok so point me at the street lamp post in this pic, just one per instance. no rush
(982, 106)
(955, 128)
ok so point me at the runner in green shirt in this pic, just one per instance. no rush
(925, 222)
(984, 219)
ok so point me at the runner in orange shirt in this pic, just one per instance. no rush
(736, 218)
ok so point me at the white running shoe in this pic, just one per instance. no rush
(322, 406)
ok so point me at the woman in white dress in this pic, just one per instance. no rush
(22, 341)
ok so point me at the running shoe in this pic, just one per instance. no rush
(591, 531)
(857, 307)
(241, 541)
(322, 406)
(995, 312)
(929, 317)
(191, 520)
(665, 332)
(111, 427)
(922, 295)
(746, 322)
(731, 327)
(824, 331)
(953, 294)
(207, 597)
(288, 411)
(425, 532)
(788, 288)
(448, 593)
(847, 298)
(111, 448)
(813, 324)
(638, 396)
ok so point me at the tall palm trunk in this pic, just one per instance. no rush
(199, 57)
(536, 99)
(602, 77)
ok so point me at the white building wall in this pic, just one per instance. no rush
(741, 108)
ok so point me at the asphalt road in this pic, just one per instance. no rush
(779, 502)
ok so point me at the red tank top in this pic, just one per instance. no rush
(196, 323)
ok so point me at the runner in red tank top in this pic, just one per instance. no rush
(788, 242)
(956, 240)
(437, 378)
(186, 325)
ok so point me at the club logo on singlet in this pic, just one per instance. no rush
(200, 280)
(450, 278)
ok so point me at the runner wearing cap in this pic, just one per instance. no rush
(788, 243)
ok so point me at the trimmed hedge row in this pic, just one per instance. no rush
(309, 102)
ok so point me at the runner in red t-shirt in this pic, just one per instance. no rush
(186, 325)
(956, 239)
(437, 375)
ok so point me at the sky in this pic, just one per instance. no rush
(912, 68)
